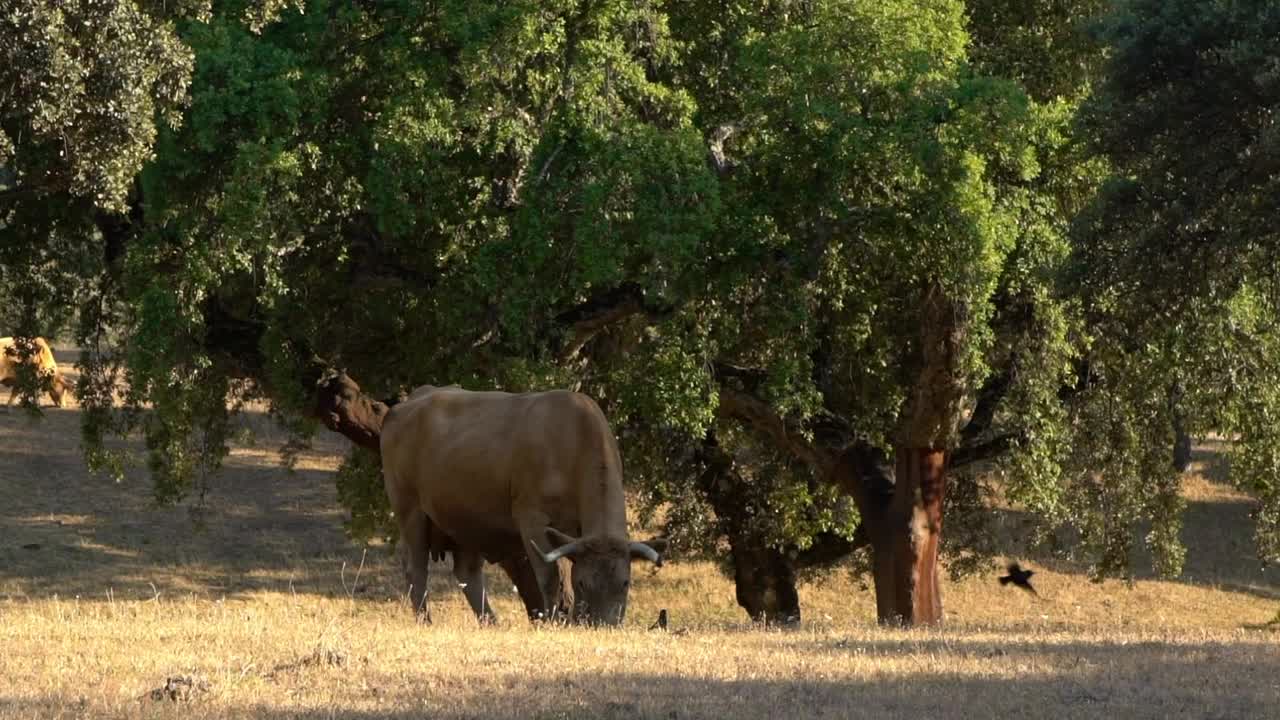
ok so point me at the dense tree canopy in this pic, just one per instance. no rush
(1178, 254)
(809, 256)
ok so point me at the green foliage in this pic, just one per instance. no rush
(1176, 257)
(518, 195)
(86, 84)
(872, 161)
(360, 490)
(1043, 45)
(1242, 383)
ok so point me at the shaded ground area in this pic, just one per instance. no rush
(65, 532)
(1217, 533)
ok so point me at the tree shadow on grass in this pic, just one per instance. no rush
(1216, 531)
(814, 679)
(262, 528)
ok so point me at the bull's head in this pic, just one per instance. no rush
(601, 574)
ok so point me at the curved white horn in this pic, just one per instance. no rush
(639, 549)
(561, 538)
(567, 550)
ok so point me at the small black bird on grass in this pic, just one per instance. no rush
(1019, 577)
(662, 621)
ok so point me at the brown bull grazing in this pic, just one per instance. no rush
(45, 365)
(522, 480)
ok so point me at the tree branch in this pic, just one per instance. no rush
(719, 480)
(716, 157)
(989, 397)
(765, 421)
(748, 379)
(584, 322)
(371, 261)
(337, 400)
(969, 454)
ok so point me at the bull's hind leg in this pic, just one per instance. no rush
(415, 538)
(468, 568)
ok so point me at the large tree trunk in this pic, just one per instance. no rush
(765, 580)
(1181, 438)
(764, 577)
(905, 524)
(916, 530)
(902, 520)
(863, 473)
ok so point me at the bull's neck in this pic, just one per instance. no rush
(602, 506)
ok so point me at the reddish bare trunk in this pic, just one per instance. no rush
(902, 518)
(916, 529)
(930, 422)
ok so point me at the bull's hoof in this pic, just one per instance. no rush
(542, 617)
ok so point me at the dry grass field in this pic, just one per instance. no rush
(276, 615)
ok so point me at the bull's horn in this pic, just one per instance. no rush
(639, 549)
(567, 550)
(560, 538)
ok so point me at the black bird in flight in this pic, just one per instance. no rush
(662, 621)
(1019, 577)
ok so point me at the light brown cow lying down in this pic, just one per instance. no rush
(516, 479)
(46, 367)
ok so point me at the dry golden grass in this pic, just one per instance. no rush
(277, 656)
(266, 601)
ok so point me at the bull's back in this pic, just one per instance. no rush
(468, 456)
(43, 358)
(8, 357)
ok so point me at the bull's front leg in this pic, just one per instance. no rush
(533, 532)
(520, 570)
(468, 568)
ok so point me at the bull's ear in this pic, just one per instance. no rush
(558, 538)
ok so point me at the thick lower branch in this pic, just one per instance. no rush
(582, 323)
(989, 398)
(978, 452)
(765, 421)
